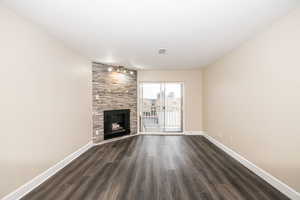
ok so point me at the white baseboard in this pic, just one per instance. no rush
(276, 183)
(174, 133)
(194, 133)
(38, 180)
(161, 133)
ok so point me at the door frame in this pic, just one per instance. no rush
(139, 83)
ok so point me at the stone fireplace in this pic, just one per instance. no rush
(113, 91)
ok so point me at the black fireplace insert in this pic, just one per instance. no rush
(116, 123)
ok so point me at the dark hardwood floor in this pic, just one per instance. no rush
(155, 167)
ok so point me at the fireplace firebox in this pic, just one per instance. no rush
(116, 123)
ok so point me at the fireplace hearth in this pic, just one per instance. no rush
(116, 123)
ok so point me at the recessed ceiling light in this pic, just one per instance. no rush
(162, 51)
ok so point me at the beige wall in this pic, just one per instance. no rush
(45, 101)
(252, 100)
(192, 88)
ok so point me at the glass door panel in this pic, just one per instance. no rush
(173, 107)
(152, 117)
(161, 107)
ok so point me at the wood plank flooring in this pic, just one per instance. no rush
(155, 167)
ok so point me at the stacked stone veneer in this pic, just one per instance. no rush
(112, 91)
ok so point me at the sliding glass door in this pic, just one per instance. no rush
(161, 107)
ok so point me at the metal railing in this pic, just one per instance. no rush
(167, 119)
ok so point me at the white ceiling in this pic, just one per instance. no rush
(130, 32)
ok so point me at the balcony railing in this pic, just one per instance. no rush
(165, 120)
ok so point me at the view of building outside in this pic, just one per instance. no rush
(161, 107)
